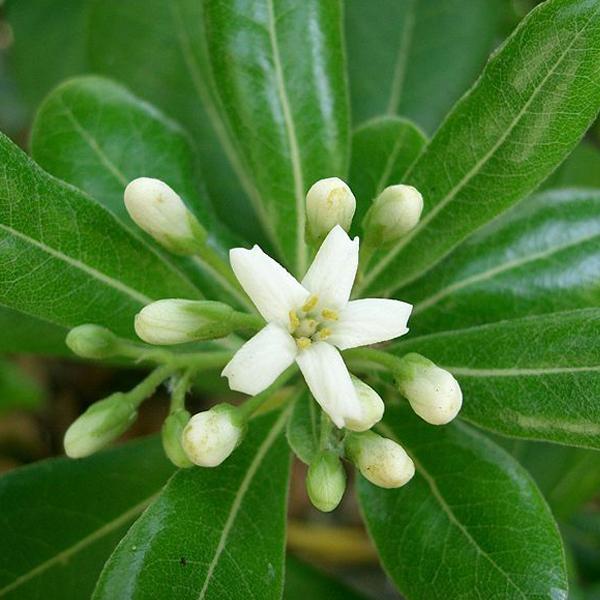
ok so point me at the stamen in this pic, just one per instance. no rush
(323, 334)
(310, 303)
(294, 320)
(329, 315)
(303, 343)
(306, 328)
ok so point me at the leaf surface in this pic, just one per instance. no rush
(61, 518)
(535, 377)
(212, 532)
(535, 99)
(471, 523)
(285, 103)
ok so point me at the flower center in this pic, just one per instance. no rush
(308, 325)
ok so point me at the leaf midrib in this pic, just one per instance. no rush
(450, 513)
(77, 264)
(467, 177)
(64, 555)
(239, 496)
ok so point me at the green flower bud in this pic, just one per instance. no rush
(211, 436)
(326, 481)
(393, 214)
(161, 213)
(178, 321)
(383, 462)
(329, 202)
(172, 431)
(433, 392)
(93, 341)
(99, 425)
(371, 404)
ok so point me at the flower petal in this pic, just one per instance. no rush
(329, 382)
(331, 275)
(260, 361)
(369, 321)
(271, 288)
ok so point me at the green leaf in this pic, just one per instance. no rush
(49, 44)
(581, 169)
(382, 151)
(18, 390)
(279, 69)
(533, 102)
(24, 333)
(568, 477)
(97, 136)
(61, 518)
(212, 531)
(167, 65)
(535, 377)
(304, 582)
(415, 58)
(470, 524)
(542, 256)
(304, 428)
(65, 259)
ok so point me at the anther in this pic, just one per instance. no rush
(303, 343)
(310, 303)
(294, 320)
(329, 315)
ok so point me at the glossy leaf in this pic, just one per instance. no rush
(383, 149)
(471, 523)
(285, 102)
(536, 377)
(167, 65)
(211, 530)
(61, 518)
(568, 477)
(65, 259)
(304, 582)
(17, 389)
(533, 102)
(542, 256)
(24, 333)
(581, 169)
(49, 44)
(415, 58)
(304, 428)
(97, 136)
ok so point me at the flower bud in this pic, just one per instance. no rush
(380, 460)
(93, 341)
(176, 321)
(172, 431)
(329, 202)
(99, 425)
(371, 404)
(211, 436)
(394, 213)
(433, 393)
(161, 213)
(326, 481)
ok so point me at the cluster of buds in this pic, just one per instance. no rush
(307, 323)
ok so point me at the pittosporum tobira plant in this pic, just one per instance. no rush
(389, 303)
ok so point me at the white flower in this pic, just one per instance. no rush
(309, 323)
(329, 202)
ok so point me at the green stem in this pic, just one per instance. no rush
(378, 357)
(148, 386)
(246, 410)
(179, 392)
(325, 430)
(248, 322)
(201, 361)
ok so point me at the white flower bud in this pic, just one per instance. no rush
(99, 425)
(326, 482)
(171, 434)
(329, 202)
(371, 404)
(380, 460)
(92, 341)
(211, 436)
(174, 321)
(161, 213)
(433, 393)
(394, 213)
